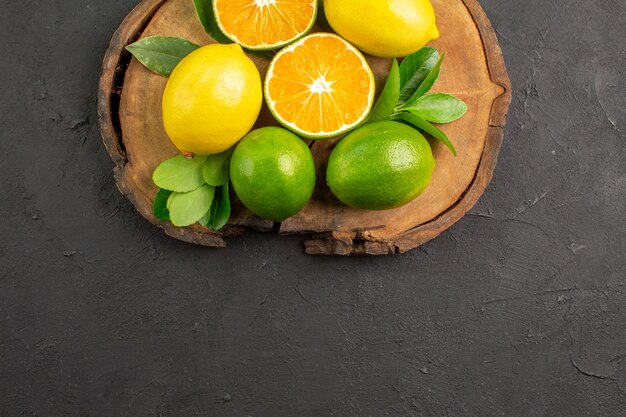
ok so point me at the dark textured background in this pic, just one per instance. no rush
(518, 310)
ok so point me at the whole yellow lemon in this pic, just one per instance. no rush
(212, 99)
(384, 28)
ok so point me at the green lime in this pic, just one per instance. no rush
(273, 173)
(380, 166)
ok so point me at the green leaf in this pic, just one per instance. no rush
(206, 219)
(428, 82)
(161, 54)
(179, 174)
(187, 208)
(414, 70)
(437, 108)
(422, 124)
(218, 215)
(389, 97)
(160, 209)
(204, 10)
(216, 168)
(222, 208)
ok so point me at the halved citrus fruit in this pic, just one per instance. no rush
(265, 24)
(320, 86)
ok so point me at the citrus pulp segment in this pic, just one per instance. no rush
(264, 24)
(320, 86)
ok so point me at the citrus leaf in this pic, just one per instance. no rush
(216, 168)
(218, 215)
(428, 83)
(389, 97)
(438, 108)
(179, 174)
(206, 219)
(414, 70)
(422, 124)
(160, 205)
(204, 10)
(222, 207)
(161, 54)
(187, 208)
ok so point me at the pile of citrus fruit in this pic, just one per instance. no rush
(318, 85)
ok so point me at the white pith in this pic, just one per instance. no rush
(321, 85)
(264, 3)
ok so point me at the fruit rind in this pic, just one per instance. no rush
(383, 165)
(199, 88)
(277, 152)
(401, 26)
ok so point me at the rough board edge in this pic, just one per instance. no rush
(358, 243)
(115, 63)
(114, 66)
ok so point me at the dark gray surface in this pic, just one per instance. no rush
(518, 310)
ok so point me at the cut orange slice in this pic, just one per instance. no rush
(320, 86)
(265, 24)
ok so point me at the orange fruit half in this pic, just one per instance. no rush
(264, 24)
(320, 86)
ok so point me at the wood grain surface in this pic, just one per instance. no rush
(473, 69)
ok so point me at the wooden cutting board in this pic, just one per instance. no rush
(473, 69)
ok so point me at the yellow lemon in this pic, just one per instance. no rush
(212, 99)
(384, 28)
